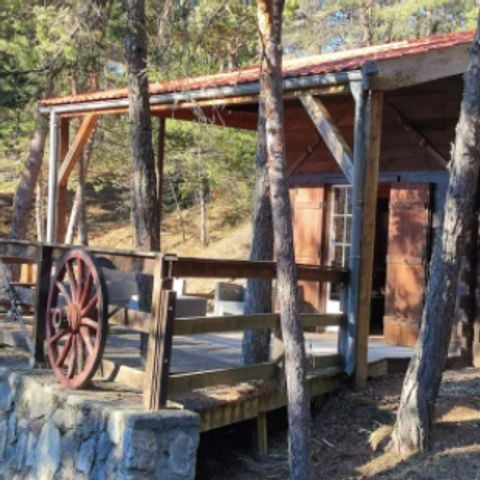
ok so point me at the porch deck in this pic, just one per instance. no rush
(225, 404)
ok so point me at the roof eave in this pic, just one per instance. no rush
(252, 88)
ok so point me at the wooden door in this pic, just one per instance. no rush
(308, 204)
(407, 260)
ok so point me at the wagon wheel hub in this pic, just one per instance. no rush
(76, 320)
(74, 315)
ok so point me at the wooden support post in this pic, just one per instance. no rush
(160, 161)
(44, 269)
(61, 206)
(261, 433)
(160, 339)
(368, 123)
(52, 178)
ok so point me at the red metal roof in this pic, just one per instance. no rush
(313, 65)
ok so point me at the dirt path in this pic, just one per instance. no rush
(348, 425)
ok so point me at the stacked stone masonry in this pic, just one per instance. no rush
(48, 432)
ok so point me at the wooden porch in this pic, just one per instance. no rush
(193, 363)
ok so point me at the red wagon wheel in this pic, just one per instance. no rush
(76, 319)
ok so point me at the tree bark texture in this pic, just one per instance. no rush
(25, 193)
(144, 184)
(461, 342)
(412, 430)
(258, 295)
(270, 28)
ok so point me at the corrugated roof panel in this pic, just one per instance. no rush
(313, 65)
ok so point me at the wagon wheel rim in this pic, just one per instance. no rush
(76, 321)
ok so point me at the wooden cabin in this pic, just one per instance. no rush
(368, 135)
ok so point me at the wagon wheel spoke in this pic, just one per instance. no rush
(58, 336)
(73, 357)
(91, 303)
(64, 352)
(72, 281)
(87, 340)
(86, 289)
(80, 272)
(64, 291)
(88, 322)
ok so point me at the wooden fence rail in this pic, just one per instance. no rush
(160, 322)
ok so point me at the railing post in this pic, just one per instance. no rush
(44, 271)
(160, 339)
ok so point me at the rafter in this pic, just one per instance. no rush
(418, 136)
(330, 134)
(303, 157)
(81, 138)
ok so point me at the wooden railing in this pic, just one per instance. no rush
(160, 323)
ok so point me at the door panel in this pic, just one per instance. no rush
(308, 216)
(407, 257)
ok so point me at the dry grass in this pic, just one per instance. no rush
(225, 241)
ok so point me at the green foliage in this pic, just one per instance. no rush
(328, 25)
(217, 160)
(73, 39)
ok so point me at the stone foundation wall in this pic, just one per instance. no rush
(48, 432)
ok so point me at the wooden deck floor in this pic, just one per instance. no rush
(226, 404)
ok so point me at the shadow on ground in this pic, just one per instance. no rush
(342, 432)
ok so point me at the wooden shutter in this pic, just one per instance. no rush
(308, 216)
(407, 257)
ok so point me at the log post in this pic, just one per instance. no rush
(160, 170)
(160, 339)
(52, 178)
(61, 200)
(368, 122)
(44, 268)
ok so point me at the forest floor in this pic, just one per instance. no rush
(349, 434)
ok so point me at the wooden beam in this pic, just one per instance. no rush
(228, 412)
(221, 102)
(160, 172)
(330, 134)
(368, 126)
(186, 382)
(418, 136)
(420, 68)
(159, 341)
(261, 434)
(303, 157)
(213, 268)
(44, 271)
(81, 138)
(141, 321)
(61, 200)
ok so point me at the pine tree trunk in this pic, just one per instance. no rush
(203, 216)
(258, 296)
(144, 184)
(412, 430)
(24, 195)
(270, 27)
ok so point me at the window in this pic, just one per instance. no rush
(340, 229)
